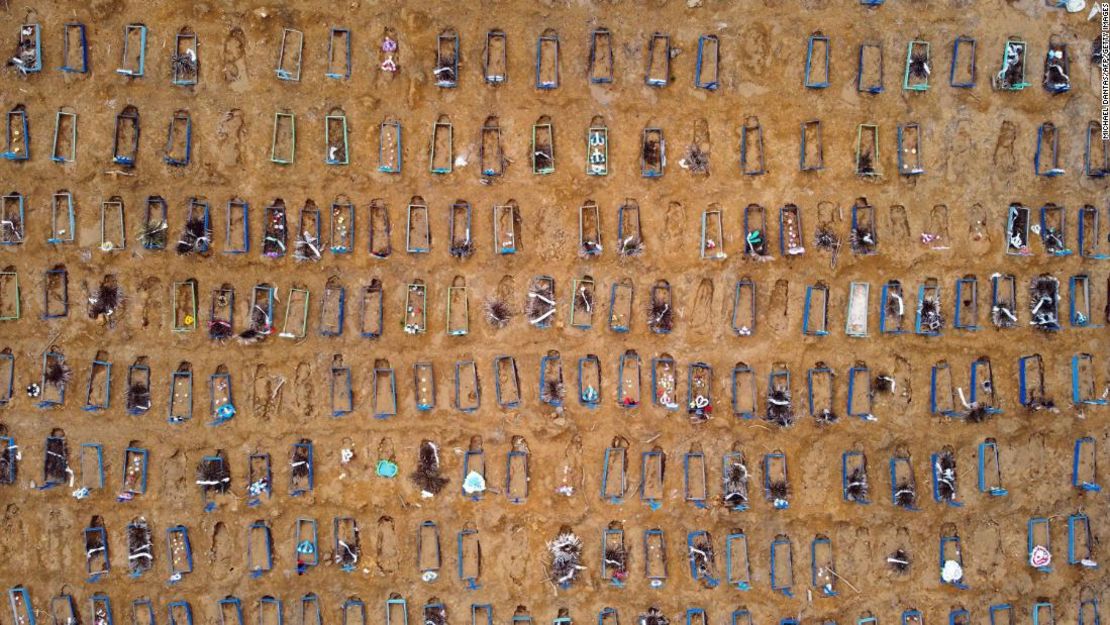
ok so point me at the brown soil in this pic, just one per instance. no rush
(978, 152)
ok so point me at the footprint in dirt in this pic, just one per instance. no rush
(105, 9)
(674, 230)
(814, 473)
(938, 226)
(152, 296)
(277, 395)
(518, 555)
(570, 476)
(11, 515)
(386, 549)
(1005, 161)
(235, 63)
(1006, 557)
(988, 553)
(702, 312)
(756, 50)
(978, 231)
(903, 373)
(506, 288)
(828, 214)
(173, 476)
(14, 531)
(778, 310)
(1032, 471)
(551, 236)
(417, 20)
(855, 551)
(305, 392)
(263, 392)
(961, 157)
(230, 132)
(57, 527)
(221, 552)
(899, 225)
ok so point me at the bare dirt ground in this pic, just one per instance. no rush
(978, 152)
